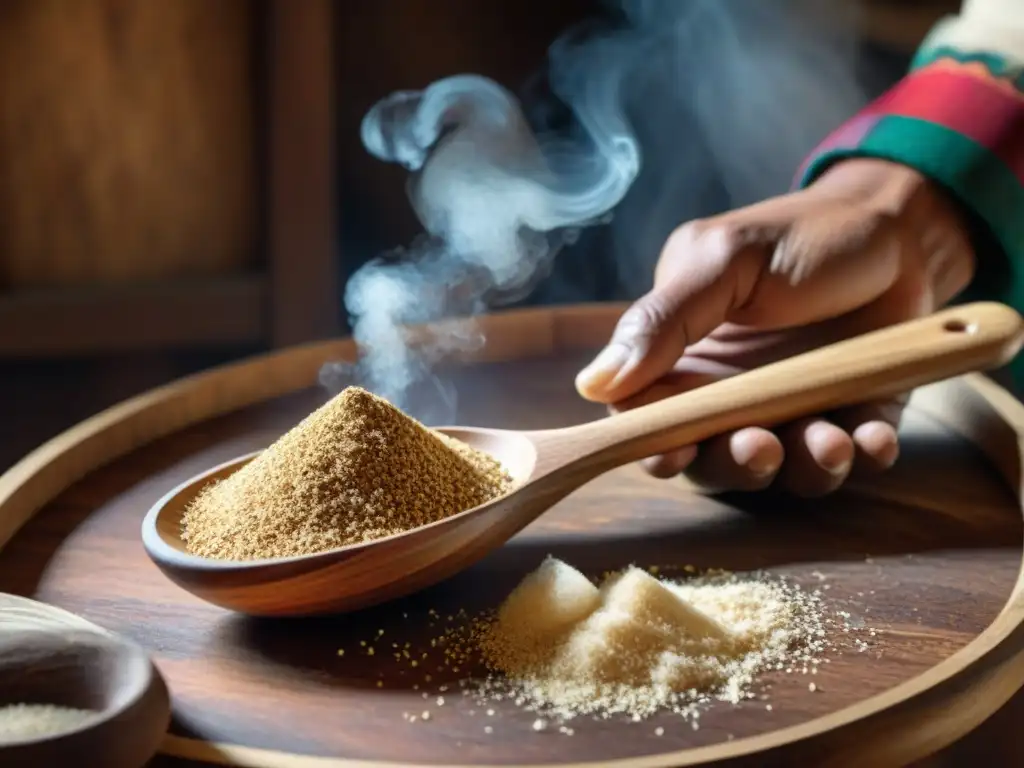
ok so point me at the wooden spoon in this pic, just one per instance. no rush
(547, 465)
(65, 664)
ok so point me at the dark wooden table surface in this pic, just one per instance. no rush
(927, 555)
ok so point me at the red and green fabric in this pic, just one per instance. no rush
(958, 118)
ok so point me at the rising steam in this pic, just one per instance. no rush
(727, 92)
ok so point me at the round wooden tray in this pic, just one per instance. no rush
(929, 555)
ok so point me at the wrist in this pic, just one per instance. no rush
(932, 217)
(884, 184)
(957, 120)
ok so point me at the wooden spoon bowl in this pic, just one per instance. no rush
(547, 465)
(347, 578)
(83, 670)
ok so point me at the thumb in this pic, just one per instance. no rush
(706, 276)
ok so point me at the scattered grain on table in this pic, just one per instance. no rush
(629, 646)
(637, 644)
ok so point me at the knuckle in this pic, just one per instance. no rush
(644, 318)
(717, 242)
(688, 234)
(706, 236)
(687, 243)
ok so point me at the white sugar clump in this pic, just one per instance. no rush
(552, 598)
(655, 604)
(639, 644)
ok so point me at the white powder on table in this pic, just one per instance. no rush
(630, 645)
(637, 644)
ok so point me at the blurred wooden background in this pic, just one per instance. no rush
(139, 160)
(182, 181)
(167, 169)
(173, 174)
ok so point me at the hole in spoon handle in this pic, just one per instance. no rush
(956, 325)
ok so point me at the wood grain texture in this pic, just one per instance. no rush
(195, 314)
(47, 658)
(301, 173)
(929, 554)
(127, 148)
(547, 465)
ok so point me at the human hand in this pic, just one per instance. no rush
(869, 244)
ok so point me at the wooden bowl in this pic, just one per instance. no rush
(83, 670)
(929, 554)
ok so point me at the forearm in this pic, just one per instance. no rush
(958, 118)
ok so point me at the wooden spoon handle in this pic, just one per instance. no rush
(884, 363)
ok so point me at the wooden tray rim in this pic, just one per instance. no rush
(909, 721)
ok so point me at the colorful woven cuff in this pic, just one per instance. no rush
(958, 119)
(957, 122)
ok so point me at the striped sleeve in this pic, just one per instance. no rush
(958, 118)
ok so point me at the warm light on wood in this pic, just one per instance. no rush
(943, 531)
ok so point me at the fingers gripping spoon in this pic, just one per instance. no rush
(547, 465)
